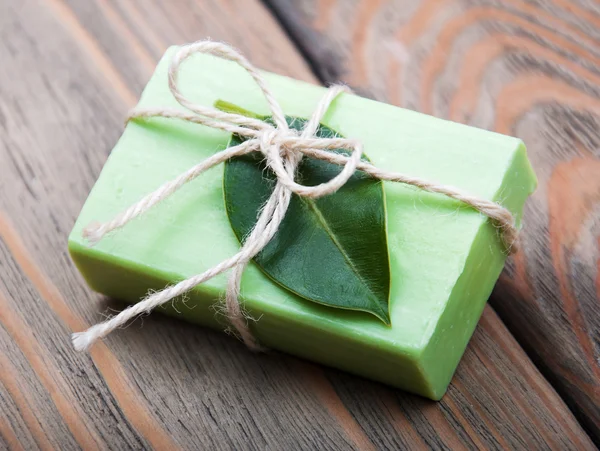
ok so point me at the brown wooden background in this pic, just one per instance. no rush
(70, 69)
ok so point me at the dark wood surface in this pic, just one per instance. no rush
(525, 68)
(69, 72)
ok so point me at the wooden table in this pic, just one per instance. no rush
(70, 69)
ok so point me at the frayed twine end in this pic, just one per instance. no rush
(93, 233)
(82, 341)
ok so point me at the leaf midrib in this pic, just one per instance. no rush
(313, 206)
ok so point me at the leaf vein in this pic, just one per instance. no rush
(323, 221)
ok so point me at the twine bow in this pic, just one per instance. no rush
(283, 149)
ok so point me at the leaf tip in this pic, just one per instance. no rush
(228, 107)
(383, 314)
(386, 319)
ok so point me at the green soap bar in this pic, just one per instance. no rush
(444, 257)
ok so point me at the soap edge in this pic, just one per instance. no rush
(516, 205)
(91, 263)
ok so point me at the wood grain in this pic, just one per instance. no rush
(71, 71)
(525, 68)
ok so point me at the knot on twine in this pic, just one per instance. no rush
(283, 149)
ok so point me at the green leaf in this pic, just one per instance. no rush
(228, 107)
(331, 250)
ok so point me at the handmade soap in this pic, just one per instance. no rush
(444, 257)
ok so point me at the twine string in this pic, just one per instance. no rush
(283, 149)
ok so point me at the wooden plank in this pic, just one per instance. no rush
(71, 71)
(530, 69)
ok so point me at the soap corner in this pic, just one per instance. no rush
(522, 153)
